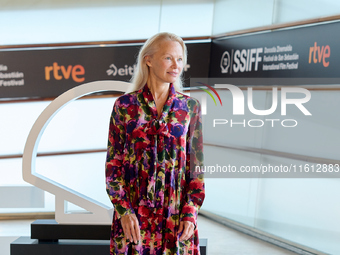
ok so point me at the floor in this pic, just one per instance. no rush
(221, 240)
(226, 241)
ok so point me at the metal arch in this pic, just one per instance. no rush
(99, 213)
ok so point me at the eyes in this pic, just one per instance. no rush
(170, 58)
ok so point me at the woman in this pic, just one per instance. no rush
(155, 142)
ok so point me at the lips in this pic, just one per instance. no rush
(173, 73)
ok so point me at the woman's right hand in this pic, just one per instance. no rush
(131, 227)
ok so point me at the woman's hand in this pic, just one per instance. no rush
(131, 227)
(188, 230)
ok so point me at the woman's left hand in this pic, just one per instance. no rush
(188, 230)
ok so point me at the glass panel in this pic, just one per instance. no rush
(234, 198)
(17, 120)
(80, 125)
(118, 20)
(11, 175)
(71, 129)
(187, 18)
(84, 173)
(301, 210)
(233, 15)
(298, 209)
(316, 135)
(292, 10)
(114, 22)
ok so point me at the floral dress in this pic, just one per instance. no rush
(153, 170)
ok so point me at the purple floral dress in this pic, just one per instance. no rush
(151, 171)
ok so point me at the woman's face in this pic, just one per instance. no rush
(167, 63)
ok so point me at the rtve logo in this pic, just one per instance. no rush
(60, 72)
(317, 54)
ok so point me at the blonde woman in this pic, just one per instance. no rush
(155, 142)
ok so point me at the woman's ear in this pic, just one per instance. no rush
(148, 61)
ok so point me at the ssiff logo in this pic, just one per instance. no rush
(225, 62)
(242, 60)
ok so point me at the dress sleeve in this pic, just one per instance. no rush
(194, 191)
(115, 173)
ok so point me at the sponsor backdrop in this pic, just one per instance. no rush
(309, 55)
(50, 72)
(308, 52)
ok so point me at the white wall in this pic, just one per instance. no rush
(116, 20)
(234, 15)
(292, 10)
(35, 22)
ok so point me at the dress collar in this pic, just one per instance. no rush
(149, 100)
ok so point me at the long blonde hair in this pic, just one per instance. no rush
(141, 73)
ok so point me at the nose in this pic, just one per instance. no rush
(175, 64)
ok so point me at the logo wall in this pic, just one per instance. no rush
(305, 52)
(274, 58)
(56, 70)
